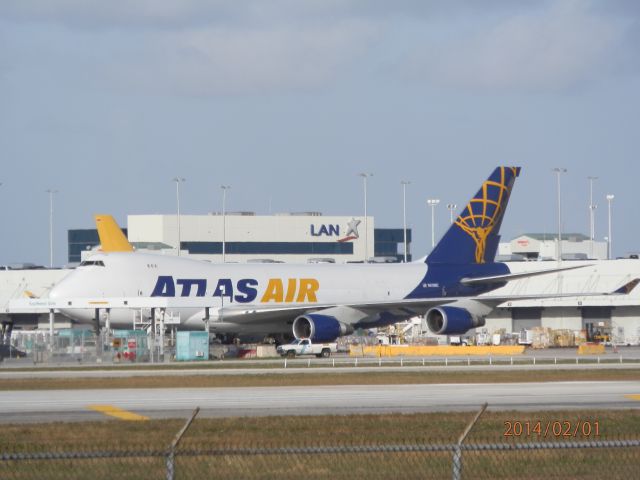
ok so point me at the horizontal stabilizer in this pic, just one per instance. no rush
(627, 287)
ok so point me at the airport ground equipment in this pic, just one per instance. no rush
(192, 346)
(304, 346)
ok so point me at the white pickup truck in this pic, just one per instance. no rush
(305, 347)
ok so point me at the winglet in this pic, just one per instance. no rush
(112, 239)
(628, 287)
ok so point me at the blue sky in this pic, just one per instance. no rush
(287, 101)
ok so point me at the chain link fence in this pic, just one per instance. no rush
(84, 347)
(611, 459)
(74, 347)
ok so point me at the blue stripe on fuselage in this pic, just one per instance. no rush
(442, 280)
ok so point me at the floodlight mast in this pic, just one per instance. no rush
(404, 184)
(178, 181)
(433, 202)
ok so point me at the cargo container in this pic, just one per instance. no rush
(192, 346)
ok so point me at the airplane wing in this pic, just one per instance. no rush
(516, 276)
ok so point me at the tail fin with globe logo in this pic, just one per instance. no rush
(474, 236)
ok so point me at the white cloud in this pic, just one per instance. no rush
(211, 61)
(170, 14)
(553, 49)
(208, 47)
(200, 47)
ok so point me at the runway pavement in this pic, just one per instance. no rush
(83, 405)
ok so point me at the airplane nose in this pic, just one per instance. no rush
(56, 292)
(64, 288)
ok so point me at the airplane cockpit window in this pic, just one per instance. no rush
(94, 263)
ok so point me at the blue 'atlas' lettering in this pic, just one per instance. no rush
(187, 283)
(224, 288)
(247, 290)
(164, 287)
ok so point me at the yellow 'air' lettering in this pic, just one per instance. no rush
(308, 289)
(273, 292)
(292, 286)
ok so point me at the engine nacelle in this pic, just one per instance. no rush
(319, 328)
(448, 320)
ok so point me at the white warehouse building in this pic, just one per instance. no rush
(544, 246)
(305, 237)
(616, 315)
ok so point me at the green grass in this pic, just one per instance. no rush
(313, 378)
(297, 431)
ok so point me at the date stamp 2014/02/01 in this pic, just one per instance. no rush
(552, 428)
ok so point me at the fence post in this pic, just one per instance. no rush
(457, 452)
(171, 454)
(457, 463)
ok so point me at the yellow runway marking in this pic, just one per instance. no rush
(118, 412)
(633, 397)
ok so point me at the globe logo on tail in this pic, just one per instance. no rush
(484, 212)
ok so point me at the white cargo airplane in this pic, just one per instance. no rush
(319, 301)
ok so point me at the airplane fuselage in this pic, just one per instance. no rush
(113, 275)
(319, 301)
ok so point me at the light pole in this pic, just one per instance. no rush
(404, 184)
(609, 198)
(592, 211)
(433, 202)
(558, 171)
(178, 181)
(451, 207)
(51, 193)
(365, 176)
(224, 219)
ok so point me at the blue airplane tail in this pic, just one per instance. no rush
(473, 238)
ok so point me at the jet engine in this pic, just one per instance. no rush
(319, 328)
(450, 320)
